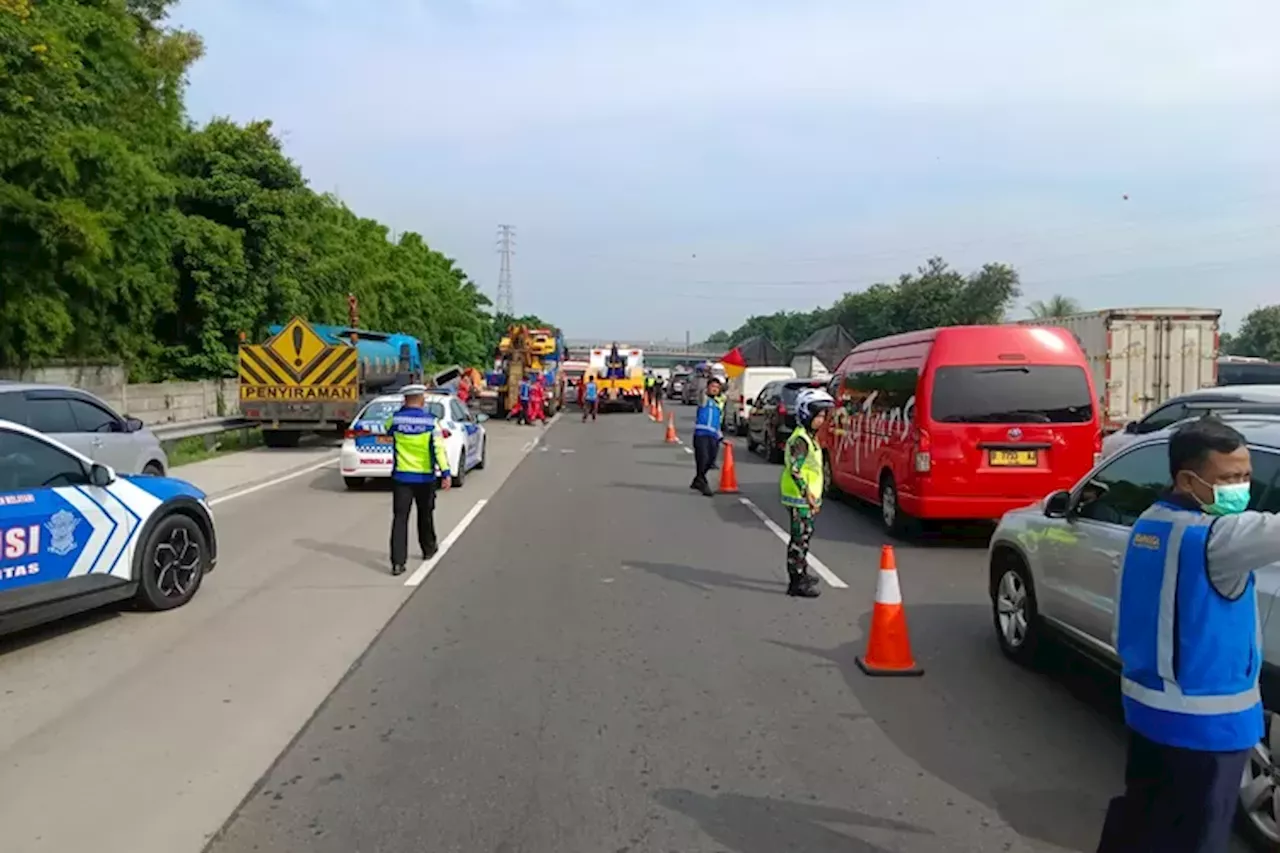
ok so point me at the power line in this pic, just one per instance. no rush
(506, 248)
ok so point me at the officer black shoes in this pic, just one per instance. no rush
(803, 586)
(428, 553)
(397, 570)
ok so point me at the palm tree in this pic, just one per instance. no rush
(1055, 307)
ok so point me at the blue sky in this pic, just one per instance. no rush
(676, 167)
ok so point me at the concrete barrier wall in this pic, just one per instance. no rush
(154, 403)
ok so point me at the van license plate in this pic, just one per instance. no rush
(1013, 458)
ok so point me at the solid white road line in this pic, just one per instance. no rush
(688, 450)
(818, 566)
(420, 574)
(330, 462)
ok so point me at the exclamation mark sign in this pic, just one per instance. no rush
(297, 346)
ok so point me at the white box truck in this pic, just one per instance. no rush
(1141, 357)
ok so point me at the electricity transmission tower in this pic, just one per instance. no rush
(506, 248)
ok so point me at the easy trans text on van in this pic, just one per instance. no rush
(960, 423)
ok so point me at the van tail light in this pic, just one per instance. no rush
(923, 454)
(356, 433)
(1097, 447)
(782, 409)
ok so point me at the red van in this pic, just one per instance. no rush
(961, 422)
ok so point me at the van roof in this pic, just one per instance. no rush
(960, 345)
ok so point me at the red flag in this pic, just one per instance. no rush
(734, 363)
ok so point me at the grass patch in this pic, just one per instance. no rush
(197, 448)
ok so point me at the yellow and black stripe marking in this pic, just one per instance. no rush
(296, 365)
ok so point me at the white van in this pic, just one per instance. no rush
(743, 390)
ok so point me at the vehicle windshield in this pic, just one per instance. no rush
(381, 410)
(1011, 394)
(790, 392)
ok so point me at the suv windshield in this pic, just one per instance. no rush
(1011, 394)
(792, 390)
(381, 410)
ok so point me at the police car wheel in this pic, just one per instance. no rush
(353, 483)
(484, 448)
(172, 563)
(459, 471)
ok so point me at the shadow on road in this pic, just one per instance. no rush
(363, 557)
(664, 490)
(1045, 751)
(705, 579)
(746, 824)
(48, 631)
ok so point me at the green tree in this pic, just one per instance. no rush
(1054, 308)
(1259, 335)
(718, 337)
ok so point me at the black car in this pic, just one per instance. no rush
(772, 415)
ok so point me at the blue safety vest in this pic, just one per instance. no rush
(524, 391)
(591, 392)
(1190, 656)
(707, 421)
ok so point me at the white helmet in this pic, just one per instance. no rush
(809, 402)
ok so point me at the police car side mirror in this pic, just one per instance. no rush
(1057, 504)
(481, 418)
(101, 475)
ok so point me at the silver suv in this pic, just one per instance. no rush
(1054, 568)
(85, 424)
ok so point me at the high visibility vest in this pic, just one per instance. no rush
(1190, 656)
(708, 418)
(419, 446)
(810, 472)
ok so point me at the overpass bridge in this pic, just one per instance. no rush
(656, 353)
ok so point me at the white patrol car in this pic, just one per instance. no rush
(367, 451)
(74, 535)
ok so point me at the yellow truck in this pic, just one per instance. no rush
(619, 373)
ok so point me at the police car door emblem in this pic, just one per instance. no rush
(62, 528)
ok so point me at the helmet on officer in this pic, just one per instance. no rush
(810, 403)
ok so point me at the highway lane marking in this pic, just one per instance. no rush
(331, 461)
(688, 450)
(420, 573)
(818, 566)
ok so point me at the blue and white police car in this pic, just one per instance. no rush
(368, 452)
(74, 535)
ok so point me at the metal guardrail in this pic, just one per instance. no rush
(192, 429)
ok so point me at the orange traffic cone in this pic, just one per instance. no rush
(659, 411)
(888, 646)
(671, 430)
(729, 473)
(653, 411)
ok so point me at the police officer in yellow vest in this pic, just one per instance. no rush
(1187, 633)
(648, 388)
(420, 457)
(802, 486)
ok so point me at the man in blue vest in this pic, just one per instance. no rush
(1187, 633)
(707, 434)
(526, 392)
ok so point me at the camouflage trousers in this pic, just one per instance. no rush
(798, 547)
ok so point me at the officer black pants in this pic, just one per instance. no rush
(403, 497)
(704, 453)
(1175, 800)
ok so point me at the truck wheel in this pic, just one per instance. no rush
(281, 438)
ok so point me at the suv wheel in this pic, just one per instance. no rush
(1014, 612)
(1258, 789)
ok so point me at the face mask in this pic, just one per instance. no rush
(1228, 499)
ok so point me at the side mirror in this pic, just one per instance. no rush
(101, 475)
(133, 424)
(481, 417)
(1057, 504)
(748, 402)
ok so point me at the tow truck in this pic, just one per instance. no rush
(619, 374)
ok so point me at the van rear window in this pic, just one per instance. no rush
(1011, 394)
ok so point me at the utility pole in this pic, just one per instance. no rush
(506, 248)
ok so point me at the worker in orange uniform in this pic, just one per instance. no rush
(537, 401)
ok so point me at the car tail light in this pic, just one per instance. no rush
(923, 454)
(252, 413)
(445, 432)
(1097, 447)
(356, 433)
(782, 409)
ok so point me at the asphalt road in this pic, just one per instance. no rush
(128, 732)
(606, 662)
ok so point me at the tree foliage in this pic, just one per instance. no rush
(935, 295)
(127, 234)
(1259, 335)
(1054, 308)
